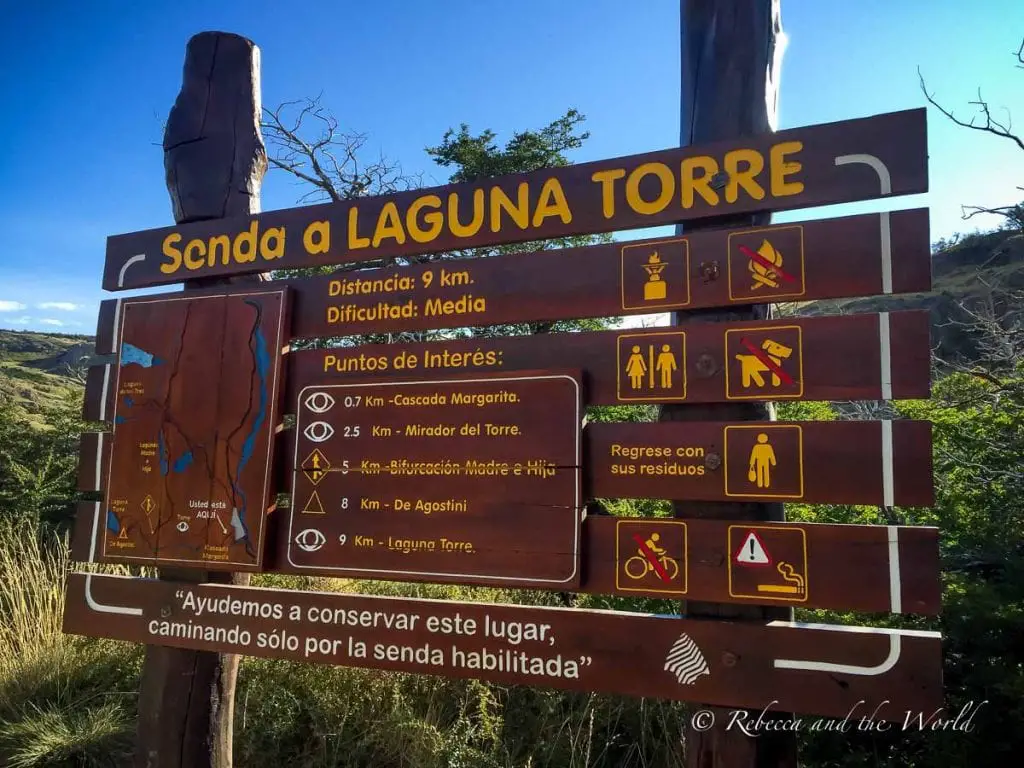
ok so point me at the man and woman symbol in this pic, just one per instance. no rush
(665, 364)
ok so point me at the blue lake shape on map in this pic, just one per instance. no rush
(113, 523)
(132, 355)
(182, 462)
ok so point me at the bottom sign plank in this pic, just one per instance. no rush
(873, 568)
(813, 669)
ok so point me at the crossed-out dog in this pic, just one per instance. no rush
(752, 368)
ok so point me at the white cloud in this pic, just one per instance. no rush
(10, 306)
(64, 306)
(51, 321)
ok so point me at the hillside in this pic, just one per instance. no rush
(37, 367)
(984, 272)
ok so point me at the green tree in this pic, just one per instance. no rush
(38, 464)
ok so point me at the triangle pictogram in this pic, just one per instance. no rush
(314, 506)
(752, 551)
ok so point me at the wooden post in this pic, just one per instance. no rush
(214, 160)
(729, 89)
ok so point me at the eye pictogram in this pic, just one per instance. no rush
(319, 402)
(319, 431)
(310, 540)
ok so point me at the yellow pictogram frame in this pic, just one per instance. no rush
(746, 295)
(765, 427)
(307, 471)
(648, 398)
(732, 547)
(647, 525)
(654, 305)
(767, 395)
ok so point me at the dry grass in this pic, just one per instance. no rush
(63, 701)
(69, 701)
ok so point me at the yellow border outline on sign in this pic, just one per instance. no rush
(770, 296)
(799, 374)
(651, 304)
(618, 369)
(762, 595)
(765, 427)
(684, 562)
(323, 471)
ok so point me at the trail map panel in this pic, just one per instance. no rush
(472, 479)
(194, 412)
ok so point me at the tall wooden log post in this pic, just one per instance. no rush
(730, 55)
(214, 160)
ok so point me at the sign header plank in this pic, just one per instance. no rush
(796, 168)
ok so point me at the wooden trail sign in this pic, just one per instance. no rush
(190, 450)
(851, 357)
(464, 461)
(832, 462)
(827, 259)
(826, 670)
(812, 565)
(887, 463)
(801, 167)
(868, 568)
(440, 479)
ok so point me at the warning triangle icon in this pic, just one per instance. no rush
(314, 506)
(752, 551)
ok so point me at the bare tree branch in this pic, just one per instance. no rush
(306, 141)
(991, 125)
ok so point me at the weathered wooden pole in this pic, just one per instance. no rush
(730, 56)
(214, 160)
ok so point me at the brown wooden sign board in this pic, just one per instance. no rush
(474, 479)
(827, 671)
(194, 406)
(825, 259)
(887, 463)
(826, 462)
(850, 357)
(796, 168)
(847, 567)
(869, 568)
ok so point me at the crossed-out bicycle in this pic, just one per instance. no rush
(639, 566)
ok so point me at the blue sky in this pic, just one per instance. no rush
(87, 85)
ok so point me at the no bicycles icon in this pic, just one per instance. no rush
(650, 556)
